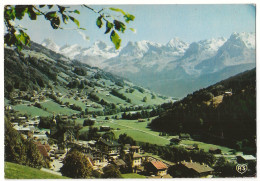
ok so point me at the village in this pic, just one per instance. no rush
(102, 152)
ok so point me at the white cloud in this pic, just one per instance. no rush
(85, 37)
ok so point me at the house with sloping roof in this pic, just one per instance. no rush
(43, 150)
(109, 147)
(194, 169)
(135, 149)
(119, 163)
(215, 150)
(245, 158)
(156, 167)
(137, 159)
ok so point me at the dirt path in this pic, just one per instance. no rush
(50, 171)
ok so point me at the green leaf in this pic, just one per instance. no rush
(132, 29)
(51, 15)
(61, 9)
(9, 14)
(65, 18)
(119, 26)
(76, 11)
(115, 39)
(24, 38)
(109, 26)
(75, 21)
(20, 11)
(117, 10)
(55, 22)
(99, 22)
(32, 15)
(83, 28)
(129, 17)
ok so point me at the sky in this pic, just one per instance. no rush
(156, 23)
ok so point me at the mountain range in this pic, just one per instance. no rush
(176, 68)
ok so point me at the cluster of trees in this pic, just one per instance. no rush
(177, 154)
(142, 114)
(77, 165)
(234, 119)
(139, 89)
(91, 134)
(21, 151)
(93, 97)
(120, 95)
(88, 122)
(80, 71)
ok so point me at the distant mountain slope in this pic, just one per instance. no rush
(224, 110)
(173, 67)
(42, 70)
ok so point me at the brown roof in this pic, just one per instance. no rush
(197, 167)
(119, 162)
(47, 146)
(214, 149)
(135, 147)
(42, 149)
(159, 165)
(136, 155)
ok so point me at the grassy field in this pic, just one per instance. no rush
(205, 146)
(137, 98)
(15, 171)
(31, 110)
(138, 131)
(132, 175)
(54, 107)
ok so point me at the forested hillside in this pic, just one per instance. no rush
(224, 113)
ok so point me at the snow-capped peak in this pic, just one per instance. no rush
(177, 44)
(48, 43)
(247, 38)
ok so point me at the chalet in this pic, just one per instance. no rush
(134, 149)
(127, 148)
(108, 147)
(194, 169)
(184, 136)
(137, 159)
(175, 140)
(245, 158)
(215, 150)
(156, 168)
(190, 148)
(64, 118)
(104, 128)
(8, 108)
(141, 120)
(43, 149)
(119, 163)
(74, 117)
(228, 93)
(98, 158)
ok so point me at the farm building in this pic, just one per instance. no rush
(184, 136)
(245, 158)
(119, 163)
(104, 128)
(215, 150)
(108, 147)
(194, 169)
(156, 168)
(137, 160)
